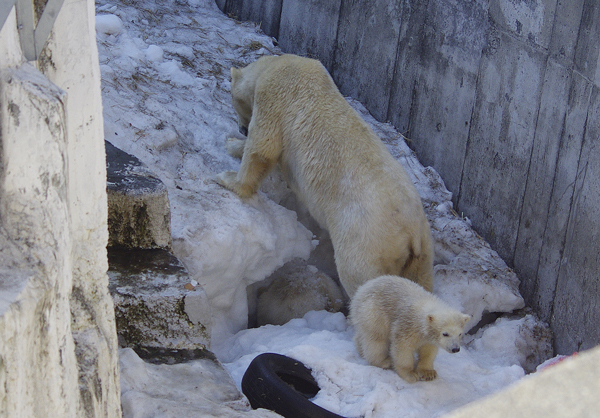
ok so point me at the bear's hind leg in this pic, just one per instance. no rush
(424, 370)
(404, 363)
(374, 350)
(419, 267)
(235, 147)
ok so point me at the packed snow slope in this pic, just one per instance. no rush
(165, 83)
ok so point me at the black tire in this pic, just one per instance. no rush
(283, 385)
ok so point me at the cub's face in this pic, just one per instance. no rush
(449, 330)
(241, 100)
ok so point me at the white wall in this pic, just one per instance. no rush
(58, 345)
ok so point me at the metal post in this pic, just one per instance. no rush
(33, 37)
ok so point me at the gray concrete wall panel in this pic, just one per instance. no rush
(566, 30)
(448, 62)
(438, 131)
(501, 140)
(221, 4)
(588, 43)
(310, 27)
(408, 66)
(267, 13)
(456, 31)
(530, 20)
(233, 8)
(577, 300)
(365, 54)
(540, 179)
(541, 289)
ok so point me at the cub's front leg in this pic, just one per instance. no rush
(424, 369)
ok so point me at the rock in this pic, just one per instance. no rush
(295, 289)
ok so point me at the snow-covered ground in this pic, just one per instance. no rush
(165, 82)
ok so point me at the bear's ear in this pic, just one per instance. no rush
(465, 319)
(236, 74)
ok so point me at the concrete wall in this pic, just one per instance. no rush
(58, 345)
(567, 389)
(502, 98)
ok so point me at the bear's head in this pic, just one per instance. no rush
(242, 97)
(448, 329)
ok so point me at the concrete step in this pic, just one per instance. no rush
(157, 305)
(139, 215)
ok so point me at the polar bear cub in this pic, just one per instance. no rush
(336, 165)
(394, 319)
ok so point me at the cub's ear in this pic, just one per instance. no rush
(236, 74)
(465, 319)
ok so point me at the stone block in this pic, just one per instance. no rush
(501, 140)
(366, 48)
(309, 28)
(156, 303)
(138, 204)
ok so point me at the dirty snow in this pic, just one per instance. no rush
(165, 83)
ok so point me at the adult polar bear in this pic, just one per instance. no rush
(335, 163)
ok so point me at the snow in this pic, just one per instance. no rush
(351, 388)
(165, 82)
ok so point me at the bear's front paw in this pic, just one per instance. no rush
(235, 147)
(227, 179)
(425, 374)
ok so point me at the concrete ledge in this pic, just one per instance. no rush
(568, 389)
(139, 215)
(156, 306)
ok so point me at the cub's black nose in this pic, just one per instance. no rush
(456, 350)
